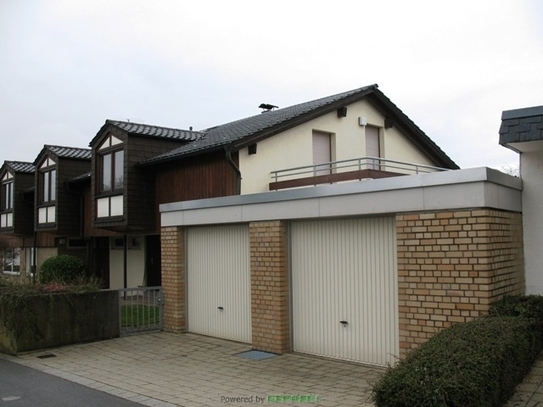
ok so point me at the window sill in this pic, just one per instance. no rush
(11, 273)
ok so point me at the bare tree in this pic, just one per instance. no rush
(511, 169)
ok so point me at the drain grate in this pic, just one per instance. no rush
(47, 356)
(256, 355)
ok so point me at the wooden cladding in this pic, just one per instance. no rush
(196, 178)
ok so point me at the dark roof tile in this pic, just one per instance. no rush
(251, 129)
(71, 152)
(20, 166)
(146, 130)
(238, 130)
(521, 125)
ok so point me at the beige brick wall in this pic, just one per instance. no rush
(269, 286)
(173, 278)
(452, 265)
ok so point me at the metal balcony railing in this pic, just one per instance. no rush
(356, 166)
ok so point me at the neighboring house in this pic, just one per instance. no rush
(16, 217)
(522, 131)
(57, 209)
(121, 205)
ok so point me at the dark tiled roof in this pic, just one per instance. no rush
(239, 133)
(522, 125)
(20, 166)
(240, 129)
(71, 152)
(146, 130)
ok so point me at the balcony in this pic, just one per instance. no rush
(346, 170)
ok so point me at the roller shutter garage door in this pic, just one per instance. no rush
(219, 282)
(344, 289)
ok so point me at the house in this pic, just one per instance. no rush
(16, 226)
(522, 131)
(57, 209)
(334, 227)
(361, 132)
(158, 165)
(361, 271)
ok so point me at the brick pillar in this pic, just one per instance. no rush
(269, 286)
(173, 278)
(452, 265)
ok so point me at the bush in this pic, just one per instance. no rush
(62, 269)
(478, 363)
(528, 306)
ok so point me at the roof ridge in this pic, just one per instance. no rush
(114, 122)
(57, 146)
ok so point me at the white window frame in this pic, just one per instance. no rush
(15, 263)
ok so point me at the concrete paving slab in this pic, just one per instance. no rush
(166, 370)
(162, 369)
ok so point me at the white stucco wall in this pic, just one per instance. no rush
(293, 148)
(135, 266)
(531, 170)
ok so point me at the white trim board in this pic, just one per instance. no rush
(450, 190)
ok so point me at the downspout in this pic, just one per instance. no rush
(125, 265)
(228, 151)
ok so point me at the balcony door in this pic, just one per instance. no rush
(322, 152)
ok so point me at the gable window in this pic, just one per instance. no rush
(111, 177)
(6, 204)
(47, 191)
(11, 260)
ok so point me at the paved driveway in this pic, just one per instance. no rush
(163, 369)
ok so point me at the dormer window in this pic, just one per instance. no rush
(47, 187)
(110, 181)
(6, 196)
(112, 165)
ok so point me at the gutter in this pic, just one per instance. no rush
(228, 151)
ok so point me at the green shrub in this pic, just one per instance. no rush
(528, 306)
(478, 363)
(63, 269)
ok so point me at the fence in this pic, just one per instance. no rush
(141, 309)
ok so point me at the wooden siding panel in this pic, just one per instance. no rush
(195, 178)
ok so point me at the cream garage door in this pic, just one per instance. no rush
(219, 282)
(344, 289)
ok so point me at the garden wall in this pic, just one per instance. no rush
(50, 320)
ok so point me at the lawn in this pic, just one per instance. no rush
(139, 315)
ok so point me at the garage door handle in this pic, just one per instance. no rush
(220, 308)
(344, 323)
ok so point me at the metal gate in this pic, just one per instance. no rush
(140, 309)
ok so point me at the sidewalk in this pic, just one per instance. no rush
(165, 370)
(530, 392)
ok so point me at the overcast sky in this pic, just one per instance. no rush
(452, 66)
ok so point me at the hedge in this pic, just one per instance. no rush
(478, 363)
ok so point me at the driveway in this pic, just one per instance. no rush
(162, 369)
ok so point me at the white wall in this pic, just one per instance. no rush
(531, 170)
(293, 148)
(135, 265)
